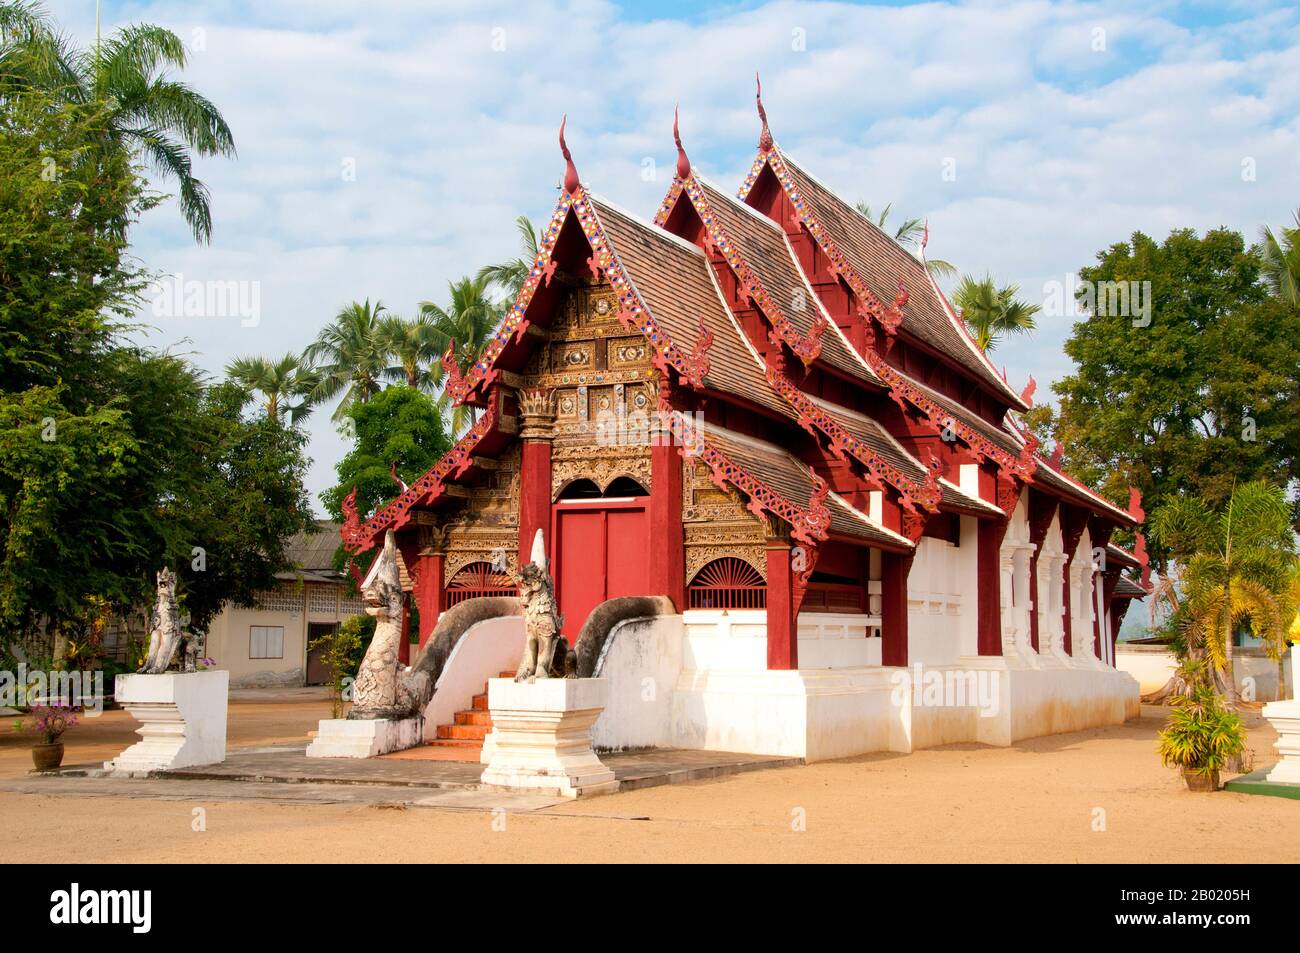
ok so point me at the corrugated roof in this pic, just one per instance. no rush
(1126, 587)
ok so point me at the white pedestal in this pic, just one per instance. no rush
(182, 720)
(365, 738)
(541, 736)
(1285, 717)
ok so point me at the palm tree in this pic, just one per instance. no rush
(991, 312)
(417, 346)
(350, 356)
(279, 382)
(145, 111)
(1281, 258)
(1237, 566)
(908, 235)
(510, 275)
(469, 320)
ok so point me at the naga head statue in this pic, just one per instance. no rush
(382, 588)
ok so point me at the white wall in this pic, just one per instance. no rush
(1152, 665)
(838, 640)
(642, 658)
(941, 603)
(485, 650)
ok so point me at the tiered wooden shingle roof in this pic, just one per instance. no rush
(669, 291)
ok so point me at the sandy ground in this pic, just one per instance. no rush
(1042, 800)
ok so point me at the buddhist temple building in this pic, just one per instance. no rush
(761, 411)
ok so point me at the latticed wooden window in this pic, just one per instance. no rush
(727, 583)
(478, 579)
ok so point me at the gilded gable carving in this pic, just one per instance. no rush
(601, 465)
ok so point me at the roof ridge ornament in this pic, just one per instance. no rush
(571, 181)
(683, 163)
(765, 142)
(1027, 395)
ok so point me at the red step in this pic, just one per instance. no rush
(468, 729)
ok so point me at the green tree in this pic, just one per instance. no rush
(510, 275)
(285, 385)
(350, 356)
(66, 445)
(402, 427)
(248, 499)
(417, 346)
(1199, 393)
(1280, 254)
(114, 460)
(1235, 566)
(992, 313)
(144, 110)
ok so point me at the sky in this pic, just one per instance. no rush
(385, 148)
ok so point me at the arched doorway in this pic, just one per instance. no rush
(602, 547)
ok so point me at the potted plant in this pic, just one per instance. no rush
(1202, 737)
(50, 722)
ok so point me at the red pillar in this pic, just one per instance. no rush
(667, 537)
(535, 497)
(988, 597)
(894, 570)
(429, 593)
(404, 644)
(782, 630)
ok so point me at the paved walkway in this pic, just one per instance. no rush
(284, 773)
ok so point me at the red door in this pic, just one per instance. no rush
(602, 551)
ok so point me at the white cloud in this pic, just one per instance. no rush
(1061, 150)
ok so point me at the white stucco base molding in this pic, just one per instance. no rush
(541, 736)
(1285, 717)
(365, 737)
(182, 720)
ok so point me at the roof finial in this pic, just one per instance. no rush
(683, 163)
(1027, 395)
(570, 170)
(765, 137)
(925, 234)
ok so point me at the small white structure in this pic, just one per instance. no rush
(1285, 717)
(541, 736)
(365, 737)
(182, 719)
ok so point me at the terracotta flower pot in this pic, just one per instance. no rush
(47, 757)
(1196, 781)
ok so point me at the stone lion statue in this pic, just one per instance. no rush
(167, 637)
(546, 653)
(384, 688)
